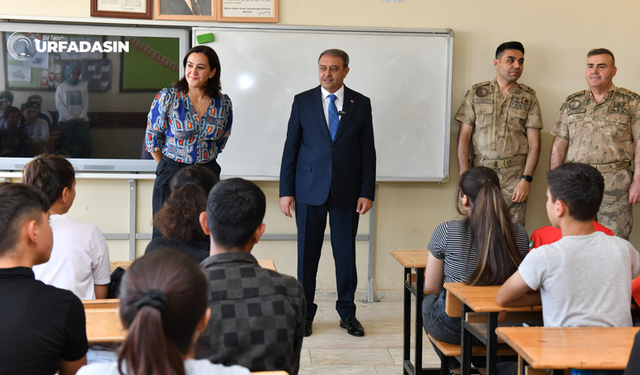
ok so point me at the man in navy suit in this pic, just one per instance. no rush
(329, 166)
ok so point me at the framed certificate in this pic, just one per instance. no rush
(121, 8)
(248, 10)
(185, 10)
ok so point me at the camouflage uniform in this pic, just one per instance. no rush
(602, 134)
(500, 132)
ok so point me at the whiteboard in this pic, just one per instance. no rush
(405, 72)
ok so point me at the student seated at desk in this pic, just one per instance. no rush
(36, 128)
(178, 219)
(80, 257)
(257, 315)
(14, 140)
(585, 277)
(483, 249)
(42, 328)
(163, 306)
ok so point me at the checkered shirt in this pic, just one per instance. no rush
(257, 315)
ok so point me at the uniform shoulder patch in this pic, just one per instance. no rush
(485, 83)
(629, 93)
(527, 89)
(576, 94)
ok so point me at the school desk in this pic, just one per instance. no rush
(415, 260)
(482, 300)
(560, 348)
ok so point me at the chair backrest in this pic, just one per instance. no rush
(453, 306)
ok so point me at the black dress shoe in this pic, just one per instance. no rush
(308, 330)
(353, 326)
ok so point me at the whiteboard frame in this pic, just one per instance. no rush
(446, 33)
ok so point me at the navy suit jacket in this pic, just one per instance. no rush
(313, 165)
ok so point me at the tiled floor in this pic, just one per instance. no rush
(330, 350)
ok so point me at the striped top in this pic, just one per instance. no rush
(450, 241)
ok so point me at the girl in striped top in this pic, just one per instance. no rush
(484, 248)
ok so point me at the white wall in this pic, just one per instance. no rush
(556, 35)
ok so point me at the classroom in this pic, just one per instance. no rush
(557, 36)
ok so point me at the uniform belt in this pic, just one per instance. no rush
(500, 163)
(610, 167)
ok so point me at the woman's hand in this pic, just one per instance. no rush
(156, 155)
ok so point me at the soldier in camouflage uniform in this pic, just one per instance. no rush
(503, 119)
(600, 127)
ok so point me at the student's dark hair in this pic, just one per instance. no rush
(491, 227)
(178, 218)
(19, 202)
(214, 88)
(602, 51)
(49, 173)
(163, 297)
(579, 186)
(29, 104)
(6, 95)
(235, 210)
(337, 53)
(9, 110)
(508, 45)
(35, 97)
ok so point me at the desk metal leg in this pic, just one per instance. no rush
(492, 343)
(522, 364)
(406, 324)
(418, 332)
(465, 365)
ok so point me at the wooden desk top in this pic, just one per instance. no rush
(103, 326)
(112, 303)
(586, 348)
(482, 299)
(411, 258)
(119, 263)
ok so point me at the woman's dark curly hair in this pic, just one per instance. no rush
(179, 217)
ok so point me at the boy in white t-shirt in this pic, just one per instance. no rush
(80, 257)
(585, 277)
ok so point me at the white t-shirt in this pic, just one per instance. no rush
(584, 281)
(191, 367)
(72, 101)
(79, 259)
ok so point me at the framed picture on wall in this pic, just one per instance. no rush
(247, 10)
(121, 9)
(185, 10)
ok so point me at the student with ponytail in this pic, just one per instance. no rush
(80, 256)
(484, 248)
(163, 306)
(178, 219)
